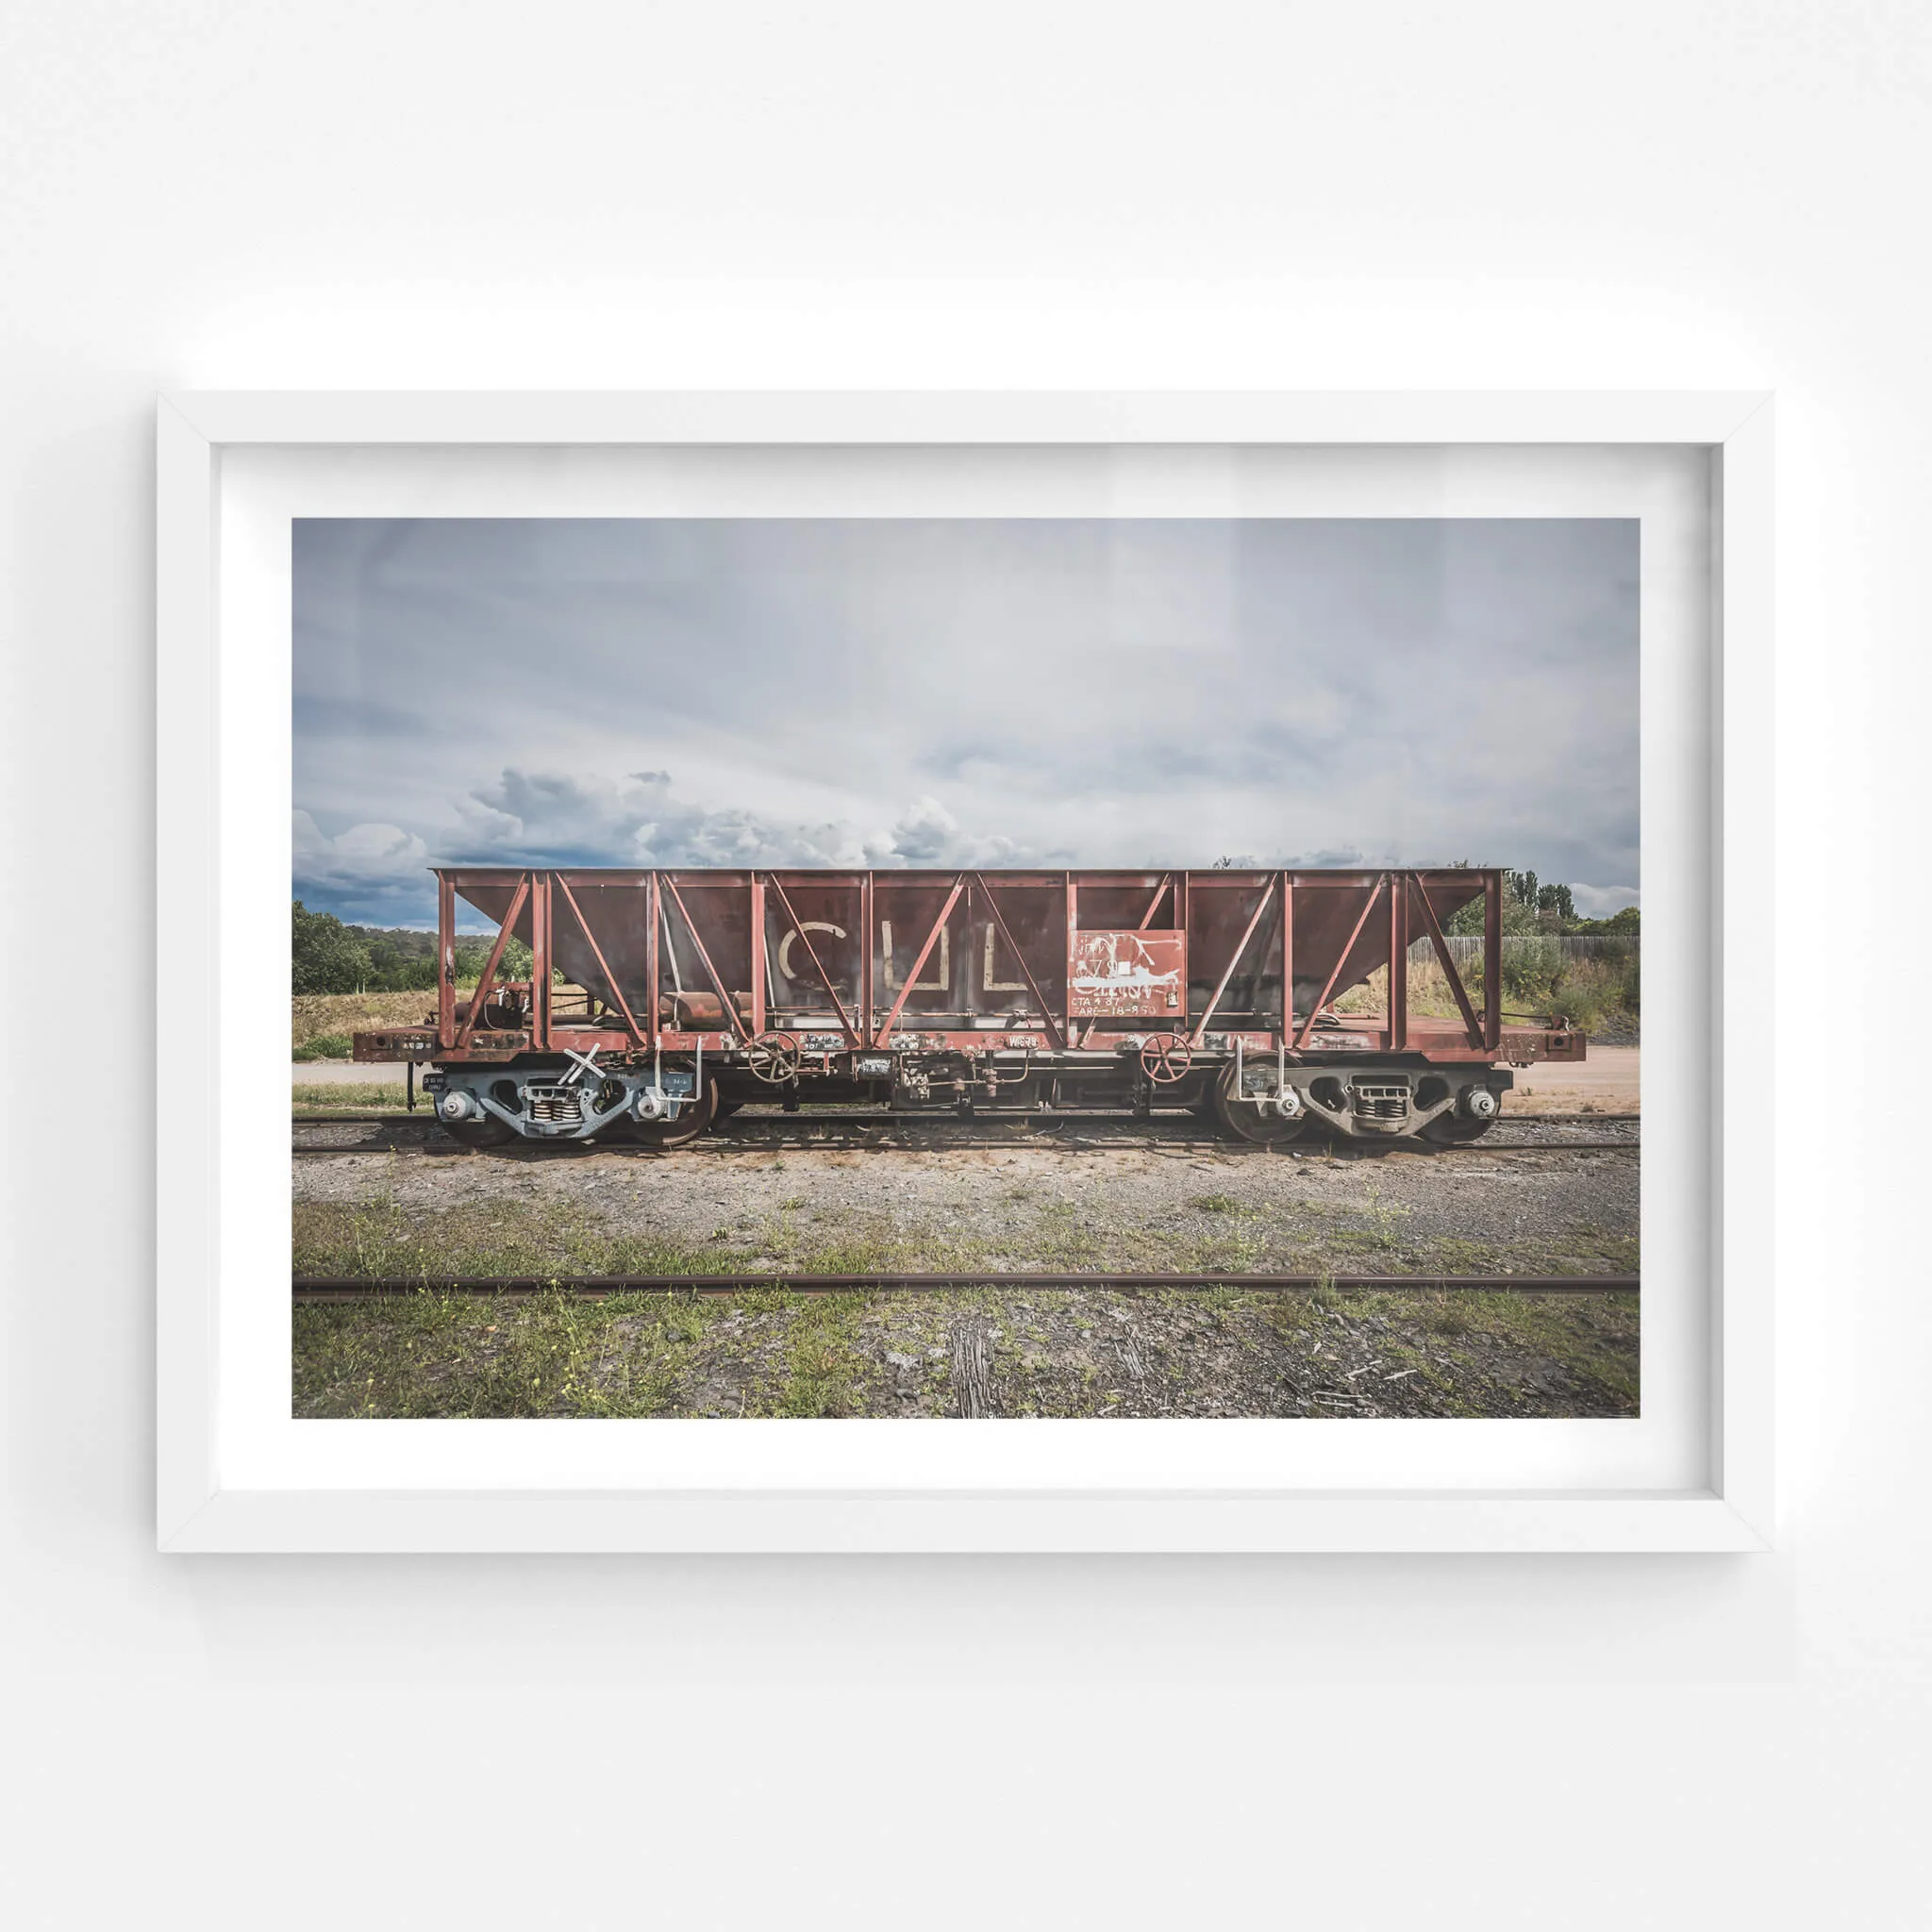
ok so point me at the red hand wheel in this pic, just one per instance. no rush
(774, 1057)
(1165, 1057)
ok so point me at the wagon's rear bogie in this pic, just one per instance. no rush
(659, 1002)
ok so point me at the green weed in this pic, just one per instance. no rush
(352, 1097)
(324, 1046)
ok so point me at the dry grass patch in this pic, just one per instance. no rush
(317, 1015)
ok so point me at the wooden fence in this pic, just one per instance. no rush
(1544, 949)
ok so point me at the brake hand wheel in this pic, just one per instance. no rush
(774, 1057)
(1165, 1057)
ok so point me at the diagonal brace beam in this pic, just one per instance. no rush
(932, 939)
(480, 998)
(1153, 903)
(1342, 960)
(999, 919)
(1267, 899)
(1471, 1023)
(735, 1018)
(811, 953)
(569, 899)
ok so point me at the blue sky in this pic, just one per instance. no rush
(934, 693)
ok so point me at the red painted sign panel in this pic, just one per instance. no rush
(1129, 975)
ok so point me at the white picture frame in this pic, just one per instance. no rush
(198, 1510)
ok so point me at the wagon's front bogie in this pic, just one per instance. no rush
(570, 1099)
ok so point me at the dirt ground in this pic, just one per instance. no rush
(1105, 1197)
(346, 1074)
(1109, 1201)
(997, 1352)
(1607, 1082)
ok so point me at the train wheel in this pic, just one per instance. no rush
(488, 1132)
(1248, 1123)
(1451, 1129)
(691, 1121)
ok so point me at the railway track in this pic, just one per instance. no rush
(828, 1116)
(859, 1132)
(323, 1289)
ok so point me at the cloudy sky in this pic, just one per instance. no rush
(937, 692)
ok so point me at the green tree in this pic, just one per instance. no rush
(1528, 907)
(327, 958)
(1628, 922)
(474, 954)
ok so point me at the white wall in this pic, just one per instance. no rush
(1659, 194)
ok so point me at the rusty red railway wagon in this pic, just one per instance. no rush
(659, 1002)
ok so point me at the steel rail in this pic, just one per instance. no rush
(939, 1137)
(1241, 1150)
(426, 1117)
(349, 1288)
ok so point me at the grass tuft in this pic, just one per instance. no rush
(324, 1046)
(352, 1097)
(778, 1353)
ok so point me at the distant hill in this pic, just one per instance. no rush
(406, 942)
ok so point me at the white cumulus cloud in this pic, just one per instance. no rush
(1601, 901)
(366, 864)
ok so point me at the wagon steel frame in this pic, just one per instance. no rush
(545, 901)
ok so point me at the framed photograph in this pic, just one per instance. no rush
(964, 972)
